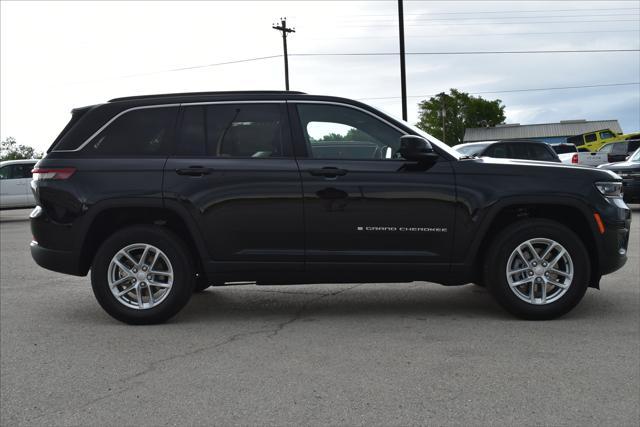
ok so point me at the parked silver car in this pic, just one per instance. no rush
(15, 189)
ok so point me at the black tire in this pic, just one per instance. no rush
(505, 243)
(183, 274)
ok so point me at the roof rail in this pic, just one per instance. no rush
(171, 95)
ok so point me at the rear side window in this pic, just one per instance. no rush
(16, 171)
(497, 150)
(146, 131)
(619, 148)
(539, 152)
(590, 137)
(231, 130)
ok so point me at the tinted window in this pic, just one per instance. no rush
(231, 130)
(471, 150)
(576, 140)
(539, 152)
(590, 137)
(564, 148)
(633, 146)
(145, 131)
(497, 150)
(16, 171)
(606, 134)
(336, 132)
(619, 148)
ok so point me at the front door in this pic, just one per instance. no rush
(365, 206)
(233, 170)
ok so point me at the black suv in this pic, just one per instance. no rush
(160, 196)
(522, 149)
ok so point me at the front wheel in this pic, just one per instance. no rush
(537, 269)
(142, 275)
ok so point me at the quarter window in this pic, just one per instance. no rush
(231, 130)
(336, 132)
(140, 132)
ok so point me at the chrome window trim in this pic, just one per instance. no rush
(143, 107)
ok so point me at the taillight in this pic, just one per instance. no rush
(40, 174)
(574, 158)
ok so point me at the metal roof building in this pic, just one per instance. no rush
(549, 131)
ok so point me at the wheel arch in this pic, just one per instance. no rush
(114, 215)
(570, 212)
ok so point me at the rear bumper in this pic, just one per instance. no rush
(61, 261)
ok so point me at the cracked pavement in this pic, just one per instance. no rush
(352, 354)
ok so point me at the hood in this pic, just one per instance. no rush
(538, 168)
(621, 166)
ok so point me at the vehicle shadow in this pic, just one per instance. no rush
(419, 301)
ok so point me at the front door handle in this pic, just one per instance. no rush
(194, 171)
(328, 172)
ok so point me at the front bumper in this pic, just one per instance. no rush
(615, 239)
(631, 189)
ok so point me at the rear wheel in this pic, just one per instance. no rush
(537, 269)
(142, 275)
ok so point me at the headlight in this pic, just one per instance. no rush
(610, 189)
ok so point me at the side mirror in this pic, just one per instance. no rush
(417, 149)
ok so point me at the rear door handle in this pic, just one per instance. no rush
(328, 172)
(194, 171)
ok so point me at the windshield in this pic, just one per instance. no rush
(470, 150)
(432, 139)
(636, 156)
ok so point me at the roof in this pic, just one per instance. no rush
(542, 130)
(205, 94)
(17, 162)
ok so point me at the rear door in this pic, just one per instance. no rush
(233, 171)
(366, 208)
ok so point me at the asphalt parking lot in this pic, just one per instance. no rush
(353, 354)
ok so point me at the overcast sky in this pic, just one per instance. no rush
(57, 56)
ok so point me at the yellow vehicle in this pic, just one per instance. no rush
(592, 141)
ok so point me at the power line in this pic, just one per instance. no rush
(488, 18)
(494, 52)
(259, 58)
(492, 23)
(473, 34)
(512, 90)
(506, 11)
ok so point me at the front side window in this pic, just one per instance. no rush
(231, 130)
(606, 134)
(606, 148)
(4, 172)
(591, 137)
(145, 131)
(337, 132)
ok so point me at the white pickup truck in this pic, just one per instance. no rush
(586, 158)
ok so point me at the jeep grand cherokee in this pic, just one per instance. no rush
(160, 196)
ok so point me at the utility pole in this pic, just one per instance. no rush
(403, 77)
(443, 113)
(283, 27)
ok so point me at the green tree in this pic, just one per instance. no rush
(461, 111)
(11, 150)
